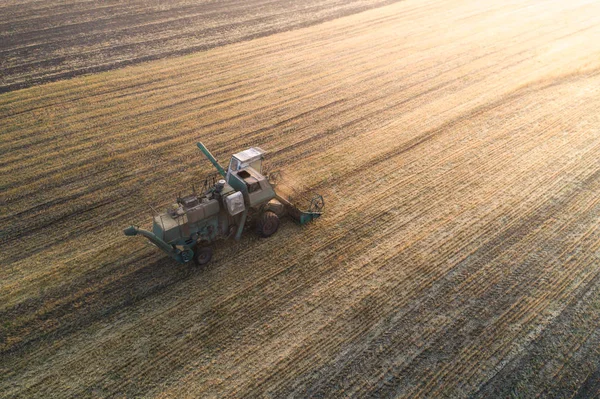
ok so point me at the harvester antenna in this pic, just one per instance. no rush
(154, 211)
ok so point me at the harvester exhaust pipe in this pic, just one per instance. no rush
(211, 158)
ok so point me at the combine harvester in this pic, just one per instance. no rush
(244, 197)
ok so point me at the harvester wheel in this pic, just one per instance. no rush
(202, 255)
(268, 224)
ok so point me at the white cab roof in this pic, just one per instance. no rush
(249, 155)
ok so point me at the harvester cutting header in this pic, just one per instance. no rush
(241, 197)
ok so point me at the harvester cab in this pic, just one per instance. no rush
(244, 174)
(252, 157)
(244, 197)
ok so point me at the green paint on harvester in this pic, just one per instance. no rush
(224, 209)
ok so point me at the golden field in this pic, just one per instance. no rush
(457, 145)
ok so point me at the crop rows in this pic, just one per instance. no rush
(52, 40)
(456, 144)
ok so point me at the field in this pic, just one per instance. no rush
(457, 145)
(57, 39)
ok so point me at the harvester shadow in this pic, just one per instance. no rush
(98, 295)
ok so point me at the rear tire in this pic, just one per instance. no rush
(267, 224)
(202, 255)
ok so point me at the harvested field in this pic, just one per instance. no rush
(457, 144)
(43, 41)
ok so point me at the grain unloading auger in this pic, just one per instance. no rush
(243, 197)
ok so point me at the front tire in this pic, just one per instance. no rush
(202, 255)
(268, 224)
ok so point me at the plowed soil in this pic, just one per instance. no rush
(457, 145)
(42, 41)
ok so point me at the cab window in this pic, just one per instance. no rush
(257, 165)
(234, 164)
